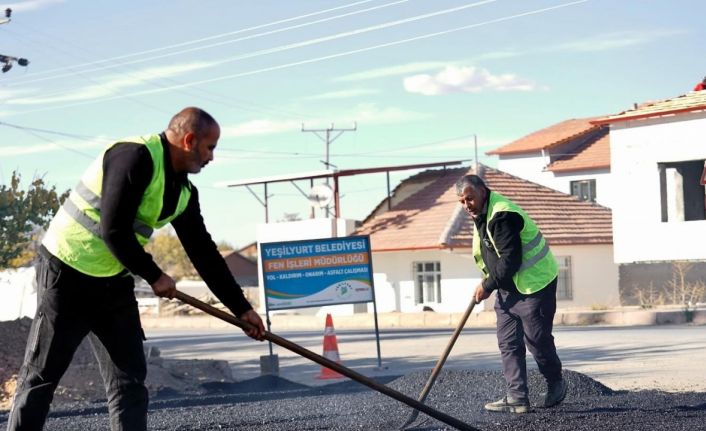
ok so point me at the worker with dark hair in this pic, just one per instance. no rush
(88, 257)
(516, 263)
(701, 85)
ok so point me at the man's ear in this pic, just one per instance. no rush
(189, 141)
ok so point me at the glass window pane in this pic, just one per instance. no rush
(427, 276)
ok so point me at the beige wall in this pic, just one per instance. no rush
(594, 276)
(393, 272)
(593, 272)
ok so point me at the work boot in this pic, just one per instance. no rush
(509, 405)
(556, 392)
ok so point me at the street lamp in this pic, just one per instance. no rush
(8, 12)
(7, 60)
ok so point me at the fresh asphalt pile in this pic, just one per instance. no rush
(273, 403)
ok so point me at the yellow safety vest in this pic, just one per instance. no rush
(74, 235)
(538, 267)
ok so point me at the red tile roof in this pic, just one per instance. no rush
(432, 218)
(690, 102)
(595, 155)
(417, 221)
(549, 137)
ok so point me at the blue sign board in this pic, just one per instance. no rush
(314, 273)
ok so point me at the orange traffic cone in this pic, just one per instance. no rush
(330, 351)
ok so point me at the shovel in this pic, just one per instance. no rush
(449, 420)
(440, 363)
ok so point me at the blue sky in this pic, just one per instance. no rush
(420, 78)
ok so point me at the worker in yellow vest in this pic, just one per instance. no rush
(516, 263)
(92, 249)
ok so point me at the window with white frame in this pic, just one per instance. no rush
(427, 282)
(682, 194)
(564, 289)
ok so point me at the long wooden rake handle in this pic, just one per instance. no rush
(440, 363)
(449, 420)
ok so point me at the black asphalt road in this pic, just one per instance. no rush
(272, 403)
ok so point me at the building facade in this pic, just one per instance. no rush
(657, 159)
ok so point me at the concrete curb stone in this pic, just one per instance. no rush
(395, 320)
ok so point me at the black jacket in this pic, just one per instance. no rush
(127, 170)
(505, 227)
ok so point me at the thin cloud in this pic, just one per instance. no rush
(495, 55)
(9, 93)
(31, 5)
(260, 127)
(464, 147)
(407, 68)
(112, 84)
(343, 94)
(454, 79)
(45, 147)
(370, 113)
(617, 40)
(364, 113)
(21, 150)
(383, 72)
(600, 42)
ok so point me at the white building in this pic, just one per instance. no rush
(572, 157)
(659, 215)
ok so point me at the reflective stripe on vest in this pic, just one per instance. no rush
(94, 201)
(529, 247)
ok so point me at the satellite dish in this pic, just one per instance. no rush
(320, 195)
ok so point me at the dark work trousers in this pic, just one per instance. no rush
(70, 306)
(527, 320)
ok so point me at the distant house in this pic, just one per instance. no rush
(249, 251)
(572, 157)
(421, 242)
(658, 151)
(243, 269)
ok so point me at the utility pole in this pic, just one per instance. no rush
(325, 135)
(475, 149)
(328, 140)
(7, 60)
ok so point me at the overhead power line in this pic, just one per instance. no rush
(315, 59)
(54, 132)
(304, 43)
(203, 94)
(229, 152)
(73, 150)
(204, 39)
(73, 70)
